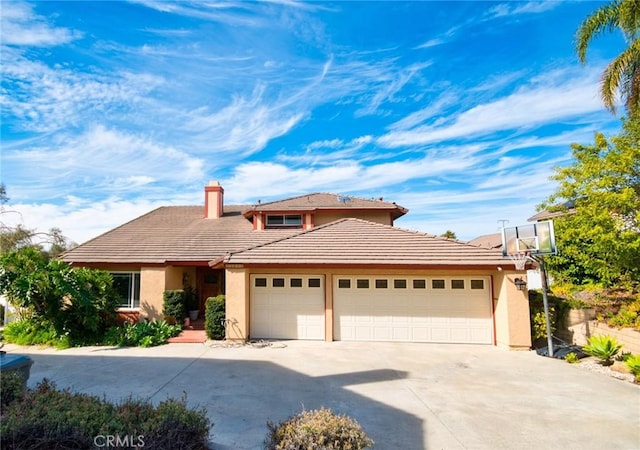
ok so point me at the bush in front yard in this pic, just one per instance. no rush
(12, 388)
(174, 305)
(142, 334)
(214, 317)
(317, 429)
(51, 418)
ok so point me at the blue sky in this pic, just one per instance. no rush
(456, 110)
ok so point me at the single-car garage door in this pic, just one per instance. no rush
(413, 309)
(287, 306)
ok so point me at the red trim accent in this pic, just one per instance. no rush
(321, 266)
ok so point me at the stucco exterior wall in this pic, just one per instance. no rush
(511, 307)
(511, 313)
(323, 217)
(237, 304)
(152, 286)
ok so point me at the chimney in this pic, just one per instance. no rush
(213, 200)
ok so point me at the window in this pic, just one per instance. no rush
(314, 282)
(362, 284)
(127, 287)
(344, 284)
(477, 284)
(437, 284)
(296, 282)
(382, 284)
(419, 284)
(400, 284)
(457, 284)
(261, 282)
(278, 282)
(287, 220)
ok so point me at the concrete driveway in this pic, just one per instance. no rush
(406, 396)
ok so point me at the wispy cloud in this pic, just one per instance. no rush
(528, 106)
(20, 26)
(100, 160)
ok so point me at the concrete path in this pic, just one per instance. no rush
(406, 396)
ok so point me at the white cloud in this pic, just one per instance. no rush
(527, 107)
(20, 26)
(100, 159)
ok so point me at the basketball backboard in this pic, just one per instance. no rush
(535, 239)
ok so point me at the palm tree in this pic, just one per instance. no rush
(623, 73)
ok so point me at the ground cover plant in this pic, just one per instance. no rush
(141, 334)
(317, 429)
(48, 418)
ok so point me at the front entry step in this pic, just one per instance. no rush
(192, 334)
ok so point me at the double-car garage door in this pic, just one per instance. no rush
(374, 308)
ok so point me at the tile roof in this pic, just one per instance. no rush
(493, 240)
(359, 242)
(326, 201)
(173, 233)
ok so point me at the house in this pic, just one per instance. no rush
(317, 266)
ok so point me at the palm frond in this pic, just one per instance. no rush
(605, 18)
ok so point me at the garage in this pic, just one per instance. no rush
(287, 307)
(413, 309)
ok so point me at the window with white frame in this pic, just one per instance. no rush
(284, 220)
(127, 287)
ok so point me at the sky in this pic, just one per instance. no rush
(458, 111)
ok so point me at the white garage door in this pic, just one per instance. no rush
(287, 307)
(413, 309)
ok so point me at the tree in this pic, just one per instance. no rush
(449, 235)
(78, 303)
(600, 241)
(18, 237)
(623, 73)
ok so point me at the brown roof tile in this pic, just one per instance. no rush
(488, 241)
(311, 202)
(173, 233)
(359, 242)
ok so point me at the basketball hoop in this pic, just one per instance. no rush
(519, 259)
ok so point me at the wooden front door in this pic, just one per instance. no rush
(209, 284)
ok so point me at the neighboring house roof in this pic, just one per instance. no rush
(559, 210)
(493, 240)
(359, 242)
(173, 233)
(325, 201)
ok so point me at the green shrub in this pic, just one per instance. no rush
(32, 331)
(627, 317)
(633, 363)
(78, 303)
(605, 348)
(214, 317)
(12, 388)
(51, 418)
(141, 334)
(174, 304)
(572, 358)
(317, 429)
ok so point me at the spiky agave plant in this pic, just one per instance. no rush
(605, 348)
(633, 363)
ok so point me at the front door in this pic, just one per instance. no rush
(209, 284)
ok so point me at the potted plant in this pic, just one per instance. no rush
(191, 300)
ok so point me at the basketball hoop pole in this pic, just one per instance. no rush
(545, 303)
